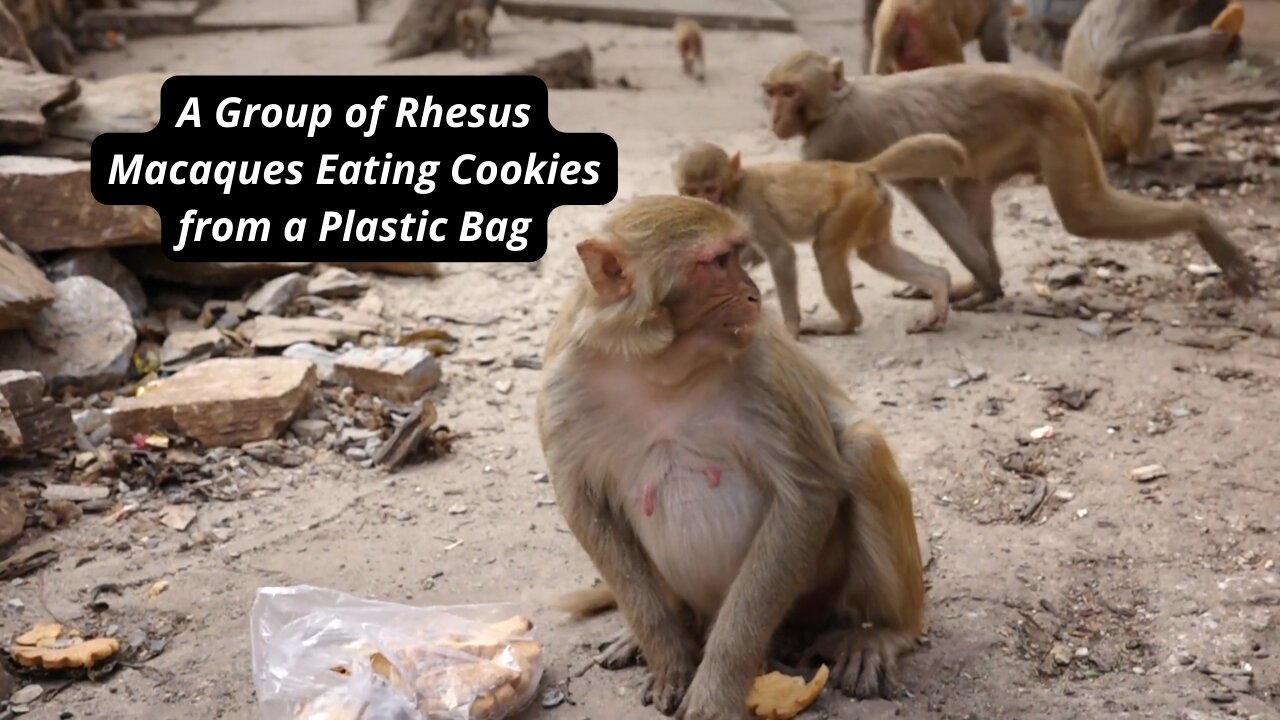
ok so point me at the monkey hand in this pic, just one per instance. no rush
(667, 684)
(864, 662)
(710, 699)
(1210, 41)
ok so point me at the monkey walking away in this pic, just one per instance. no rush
(913, 34)
(473, 31)
(1117, 51)
(719, 480)
(689, 44)
(1009, 123)
(841, 207)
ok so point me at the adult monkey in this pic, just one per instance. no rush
(720, 481)
(1117, 51)
(913, 34)
(1009, 123)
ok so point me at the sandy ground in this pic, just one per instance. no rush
(1142, 585)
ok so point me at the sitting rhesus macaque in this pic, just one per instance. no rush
(689, 44)
(913, 34)
(1009, 123)
(1117, 51)
(840, 207)
(720, 481)
(473, 31)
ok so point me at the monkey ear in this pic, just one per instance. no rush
(735, 162)
(606, 269)
(836, 66)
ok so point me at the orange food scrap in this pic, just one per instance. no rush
(1230, 20)
(781, 697)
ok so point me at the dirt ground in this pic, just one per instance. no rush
(1059, 588)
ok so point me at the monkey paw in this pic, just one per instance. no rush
(910, 292)
(714, 704)
(665, 687)
(932, 323)
(863, 662)
(838, 327)
(620, 651)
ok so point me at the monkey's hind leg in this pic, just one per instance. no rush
(896, 262)
(1128, 115)
(836, 237)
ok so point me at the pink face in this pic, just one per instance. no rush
(720, 299)
(707, 190)
(787, 106)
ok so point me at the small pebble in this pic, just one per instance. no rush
(27, 694)
(458, 509)
(552, 698)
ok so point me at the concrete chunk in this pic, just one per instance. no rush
(221, 402)
(398, 374)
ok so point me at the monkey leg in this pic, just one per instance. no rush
(620, 651)
(891, 259)
(670, 648)
(946, 216)
(993, 33)
(975, 197)
(832, 251)
(884, 587)
(1091, 208)
(1128, 115)
(782, 263)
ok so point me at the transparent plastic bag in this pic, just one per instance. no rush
(321, 654)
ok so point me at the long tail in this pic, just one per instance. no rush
(581, 604)
(919, 157)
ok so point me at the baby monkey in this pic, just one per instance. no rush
(689, 44)
(841, 206)
(473, 31)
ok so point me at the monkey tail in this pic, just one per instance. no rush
(920, 157)
(581, 604)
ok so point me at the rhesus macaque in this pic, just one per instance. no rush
(914, 34)
(689, 43)
(473, 31)
(1117, 51)
(841, 207)
(1009, 123)
(720, 481)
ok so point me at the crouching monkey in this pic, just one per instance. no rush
(720, 481)
(914, 34)
(473, 31)
(1009, 123)
(1117, 52)
(841, 207)
(689, 45)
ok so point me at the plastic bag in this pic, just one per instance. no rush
(320, 654)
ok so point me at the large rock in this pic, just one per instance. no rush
(13, 516)
(150, 262)
(101, 266)
(82, 341)
(276, 294)
(25, 94)
(128, 103)
(13, 41)
(24, 291)
(39, 421)
(45, 204)
(399, 374)
(187, 345)
(225, 401)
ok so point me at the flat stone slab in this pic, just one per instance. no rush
(741, 14)
(396, 373)
(242, 14)
(149, 17)
(25, 96)
(24, 291)
(225, 401)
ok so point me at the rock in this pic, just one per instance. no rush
(1092, 329)
(411, 269)
(259, 14)
(178, 517)
(45, 204)
(1061, 654)
(24, 291)
(399, 374)
(13, 516)
(76, 493)
(122, 104)
(187, 345)
(322, 358)
(1148, 473)
(310, 430)
(225, 401)
(13, 46)
(150, 262)
(337, 283)
(268, 332)
(38, 420)
(102, 266)
(276, 294)
(1209, 270)
(26, 695)
(1188, 148)
(83, 341)
(1065, 275)
(25, 94)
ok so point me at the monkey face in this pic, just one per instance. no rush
(707, 190)
(786, 103)
(719, 299)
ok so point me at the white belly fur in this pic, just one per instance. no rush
(697, 534)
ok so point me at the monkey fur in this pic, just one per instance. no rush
(472, 24)
(1009, 123)
(1117, 51)
(841, 207)
(720, 481)
(913, 34)
(689, 44)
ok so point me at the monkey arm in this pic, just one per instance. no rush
(1169, 49)
(949, 219)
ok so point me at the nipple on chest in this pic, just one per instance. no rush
(649, 499)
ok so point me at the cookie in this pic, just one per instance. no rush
(781, 697)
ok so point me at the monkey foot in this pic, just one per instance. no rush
(977, 301)
(619, 652)
(932, 323)
(839, 327)
(1241, 278)
(910, 292)
(664, 689)
(864, 662)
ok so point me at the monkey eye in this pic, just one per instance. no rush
(722, 260)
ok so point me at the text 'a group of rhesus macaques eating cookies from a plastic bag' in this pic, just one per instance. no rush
(723, 484)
